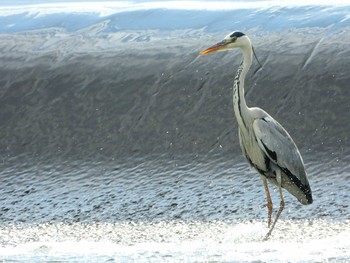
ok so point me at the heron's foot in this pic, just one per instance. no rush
(267, 237)
(269, 222)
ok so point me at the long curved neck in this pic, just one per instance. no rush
(239, 104)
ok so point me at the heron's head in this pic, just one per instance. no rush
(231, 41)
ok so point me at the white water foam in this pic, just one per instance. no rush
(108, 8)
(299, 241)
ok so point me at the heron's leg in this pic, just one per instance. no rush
(279, 182)
(269, 201)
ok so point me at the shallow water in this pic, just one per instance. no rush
(159, 190)
(167, 210)
(294, 241)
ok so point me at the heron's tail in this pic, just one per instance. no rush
(301, 191)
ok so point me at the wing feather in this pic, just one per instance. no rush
(277, 144)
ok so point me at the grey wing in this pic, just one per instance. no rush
(277, 144)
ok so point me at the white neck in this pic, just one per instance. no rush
(239, 104)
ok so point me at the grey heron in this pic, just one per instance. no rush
(264, 142)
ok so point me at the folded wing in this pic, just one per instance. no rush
(277, 144)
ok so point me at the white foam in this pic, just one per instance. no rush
(178, 242)
(108, 8)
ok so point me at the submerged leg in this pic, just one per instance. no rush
(269, 201)
(279, 182)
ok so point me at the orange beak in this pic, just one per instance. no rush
(214, 48)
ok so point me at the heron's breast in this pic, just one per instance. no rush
(252, 150)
